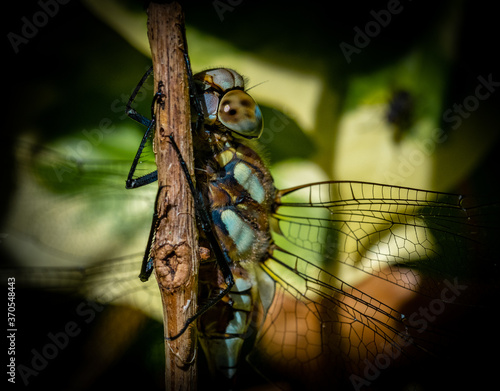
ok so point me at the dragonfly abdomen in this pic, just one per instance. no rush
(223, 330)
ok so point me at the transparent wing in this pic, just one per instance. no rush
(77, 214)
(74, 241)
(377, 229)
(367, 274)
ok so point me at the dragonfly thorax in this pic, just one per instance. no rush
(240, 191)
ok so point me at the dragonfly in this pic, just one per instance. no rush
(310, 298)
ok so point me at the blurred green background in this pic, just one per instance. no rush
(325, 117)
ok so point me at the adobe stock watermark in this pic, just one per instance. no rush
(223, 6)
(363, 37)
(30, 26)
(57, 342)
(453, 116)
(418, 321)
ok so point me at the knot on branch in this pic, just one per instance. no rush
(173, 265)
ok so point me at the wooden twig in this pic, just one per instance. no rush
(175, 249)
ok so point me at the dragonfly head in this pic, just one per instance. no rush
(225, 101)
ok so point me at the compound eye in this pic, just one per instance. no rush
(240, 114)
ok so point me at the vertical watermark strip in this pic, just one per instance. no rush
(11, 329)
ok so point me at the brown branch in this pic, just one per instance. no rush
(175, 248)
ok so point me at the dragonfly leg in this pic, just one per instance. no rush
(132, 113)
(147, 261)
(131, 182)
